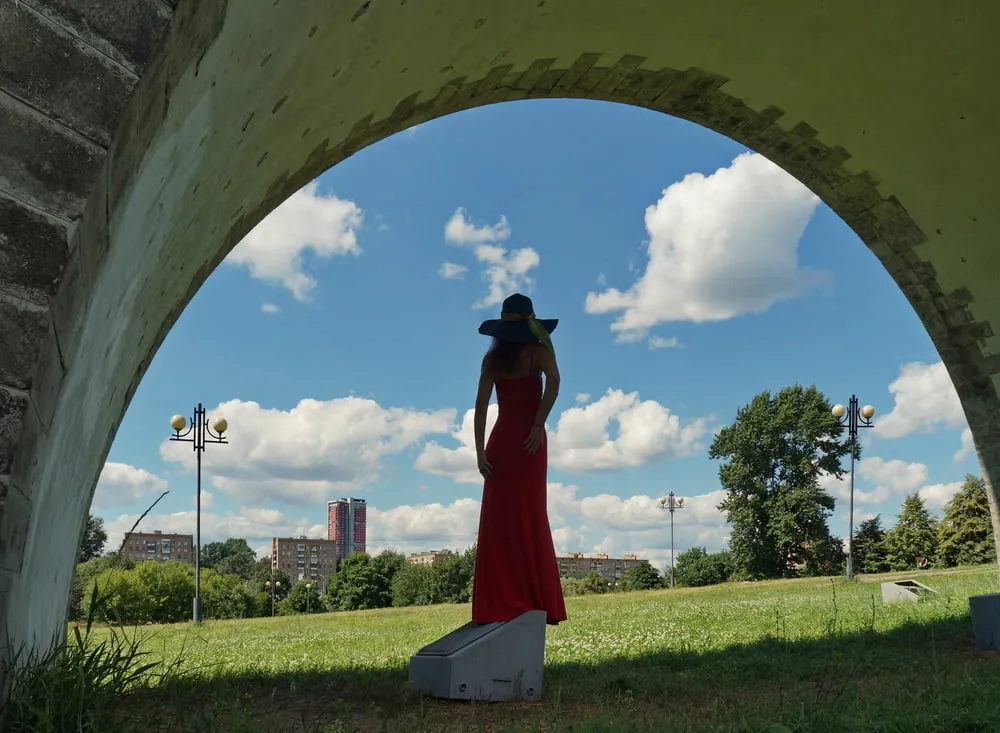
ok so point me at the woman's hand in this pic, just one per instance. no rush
(484, 465)
(535, 439)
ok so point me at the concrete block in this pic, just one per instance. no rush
(15, 516)
(24, 327)
(32, 252)
(495, 662)
(13, 405)
(48, 379)
(44, 163)
(126, 31)
(60, 75)
(985, 612)
(906, 591)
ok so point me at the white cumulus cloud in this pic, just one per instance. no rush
(121, 483)
(303, 455)
(720, 246)
(307, 220)
(925, 402)
(452, 271)
(504, 271)
(581, 440)
(646, 431)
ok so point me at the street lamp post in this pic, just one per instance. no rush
(671, 503)
(273, 588)
(199, 433)
(852, 418)
(309, 598)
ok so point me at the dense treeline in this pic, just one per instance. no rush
(235, 584)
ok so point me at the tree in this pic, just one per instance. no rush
(965, 534)
(450, 579)
(411, 585)
(868, 547)
(642, 576)
(93, 541)
(303, 599)
(227, 596)
(86, 575)
(232, 556)
(386, 564)
(913, 537)
(593, 582)
(356, 586)
(775, 452)
(697, 567)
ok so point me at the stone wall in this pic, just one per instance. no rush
(127, 174)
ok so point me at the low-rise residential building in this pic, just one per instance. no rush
(576, 564)
(157, 545)
(302, 558)
(426, 558)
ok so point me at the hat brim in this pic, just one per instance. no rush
(517, 331)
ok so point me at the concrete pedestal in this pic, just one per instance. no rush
(496, 662)
(985, 611)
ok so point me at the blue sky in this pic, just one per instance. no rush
(339, 338)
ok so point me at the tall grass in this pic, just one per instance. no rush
(75, 686)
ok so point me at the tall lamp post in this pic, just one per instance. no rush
(852, 418)
(671, 503)
(273, 588)
(199, 433)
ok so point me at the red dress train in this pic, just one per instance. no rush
(516, 568)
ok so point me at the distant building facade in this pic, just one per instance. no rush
(157, 545)
(426, 558)
(347, 525)
(611, 569)
(302, 558)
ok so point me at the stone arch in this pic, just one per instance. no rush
(244, 103)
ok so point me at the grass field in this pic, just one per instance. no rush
(803, 655)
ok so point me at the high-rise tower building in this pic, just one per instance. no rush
(347, 525)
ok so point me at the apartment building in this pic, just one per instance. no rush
(157, 545)
(347, 525)
(426, 558)
(610, 568)
(302, 558)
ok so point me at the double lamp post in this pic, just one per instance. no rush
(671, 503)
(199, 433)
(852, 417)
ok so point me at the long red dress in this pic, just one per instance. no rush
(516, 568)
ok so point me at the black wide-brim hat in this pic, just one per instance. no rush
(513, 324)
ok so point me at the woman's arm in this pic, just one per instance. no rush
(483, 395)
(547, 363)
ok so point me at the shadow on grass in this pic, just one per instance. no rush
(920, 678)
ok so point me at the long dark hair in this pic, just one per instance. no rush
(503, 355)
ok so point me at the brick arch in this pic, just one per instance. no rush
(216, 130)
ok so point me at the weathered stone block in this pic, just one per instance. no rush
(59, 75)
(23, 329)
(48, 379)
(44, 163)
(15, 516)
(126, 31)
(72, 297)
(28, 455)
(33, 252)
(13, 405)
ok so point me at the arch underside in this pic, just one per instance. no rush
(112, 214)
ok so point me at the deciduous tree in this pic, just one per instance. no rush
(93, 540)
(774, 453)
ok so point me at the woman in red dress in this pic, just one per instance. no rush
(516, 568)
